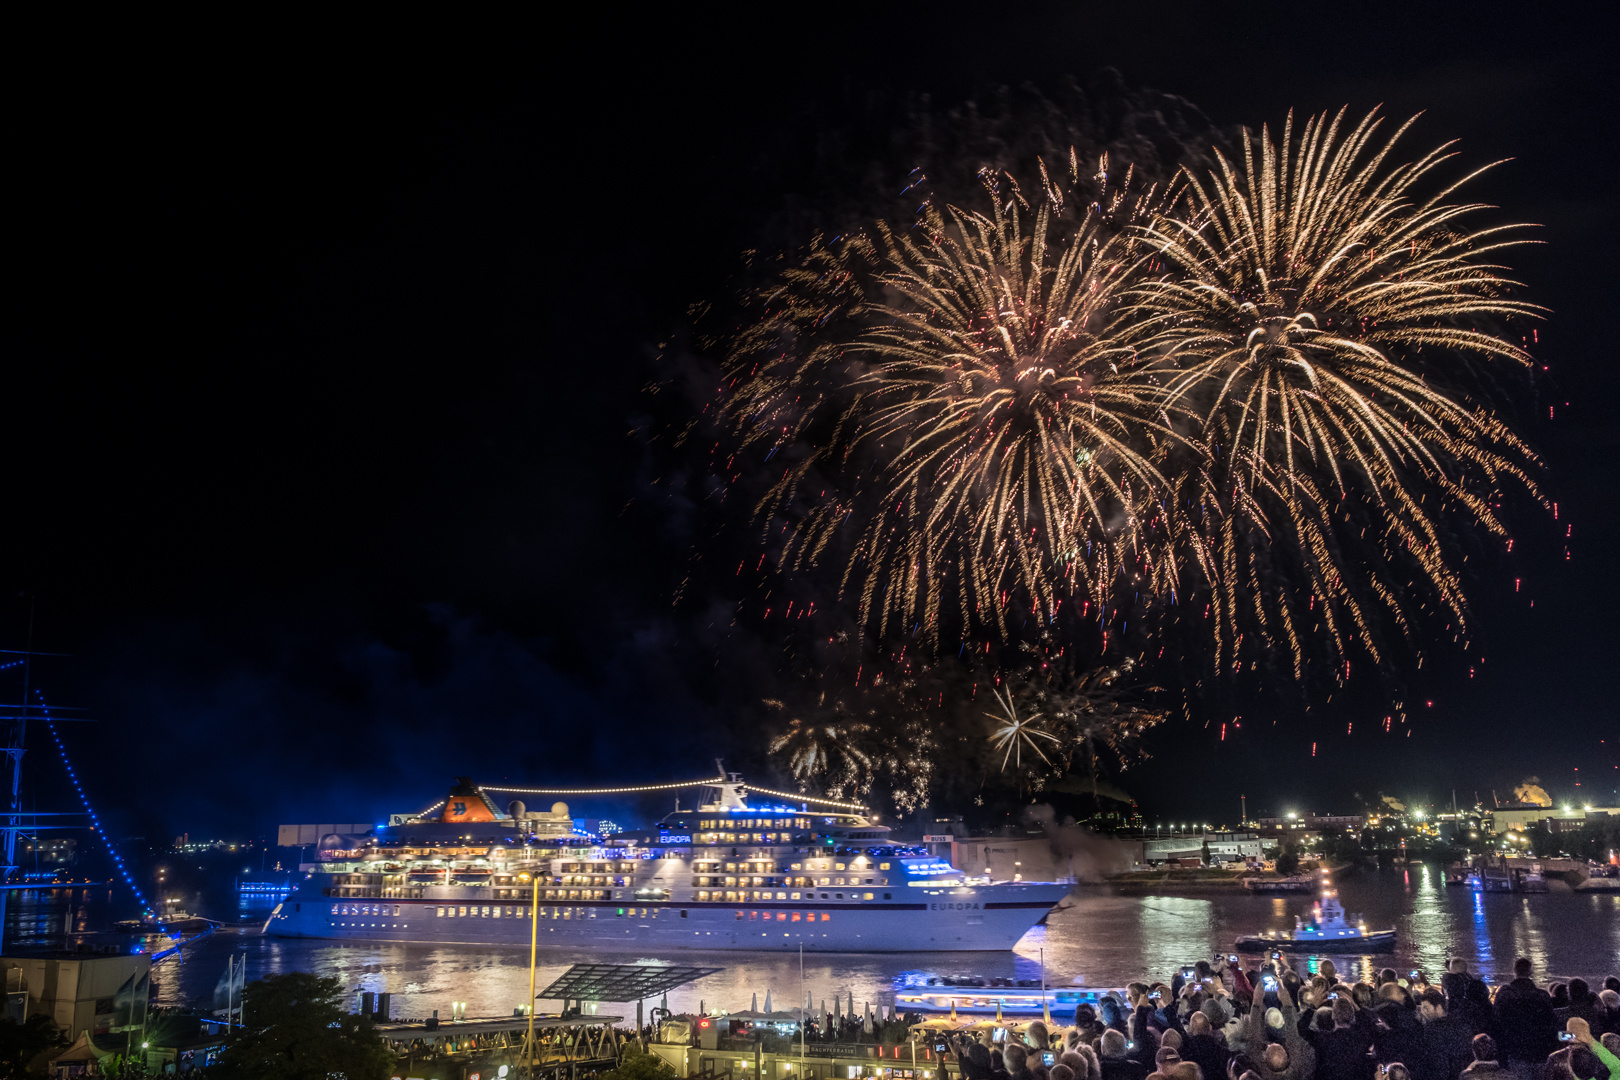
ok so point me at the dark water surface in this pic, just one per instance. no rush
(1105, 940)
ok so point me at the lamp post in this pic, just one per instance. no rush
(534, 937)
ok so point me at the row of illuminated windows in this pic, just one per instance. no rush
(497, 911)
(366, 909)
(711, 866)
(476, 911)
(598, 868)
(743, 895)
(755, 823)
(784, 916)
(746, 838)
(368, 925)
(792, 882)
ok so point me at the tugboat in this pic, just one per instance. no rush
(1329, 930)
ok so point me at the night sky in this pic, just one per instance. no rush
(327, 348)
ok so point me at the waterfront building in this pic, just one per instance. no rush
(1517, 817)
(1315, 823)
(48, 851)
(98, 994)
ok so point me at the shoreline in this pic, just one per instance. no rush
(1150, 882)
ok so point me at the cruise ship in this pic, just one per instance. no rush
(727, 875)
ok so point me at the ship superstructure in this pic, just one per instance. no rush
(726, 875)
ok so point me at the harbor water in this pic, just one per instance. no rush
(1100, 938)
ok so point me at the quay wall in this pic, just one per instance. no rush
(837, 1061)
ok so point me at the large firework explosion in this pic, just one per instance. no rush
(969, 380)
(1324, 320)
(1265, 389)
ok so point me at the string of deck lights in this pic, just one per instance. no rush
(605, 791)
(795, 797)
(792, 796)
(424, 813)
(95, 821)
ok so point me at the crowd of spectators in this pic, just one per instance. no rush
(1217, 1021)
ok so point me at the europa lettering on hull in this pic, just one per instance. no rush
(727, 875)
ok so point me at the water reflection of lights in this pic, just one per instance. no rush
(1174, 928)
(1484, 955)
(1432, 926)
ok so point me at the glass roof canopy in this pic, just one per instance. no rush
(621, 982)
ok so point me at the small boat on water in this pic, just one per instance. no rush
(176, 922)
(1329, 930)
(1532, 880)
(1490, 875)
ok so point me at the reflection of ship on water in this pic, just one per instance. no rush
(729, 874)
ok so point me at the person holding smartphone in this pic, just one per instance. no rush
(1144, 1043)
(1576, 1038)
(1290, 1057)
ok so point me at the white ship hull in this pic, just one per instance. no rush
(969, 918)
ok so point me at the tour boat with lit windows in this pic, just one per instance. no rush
(1329, 930)
(727, 875)
(979, 996)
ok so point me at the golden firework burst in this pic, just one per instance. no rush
(1000, 443)
(1324, 320)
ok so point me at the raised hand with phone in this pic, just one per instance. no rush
(1577, 1032)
